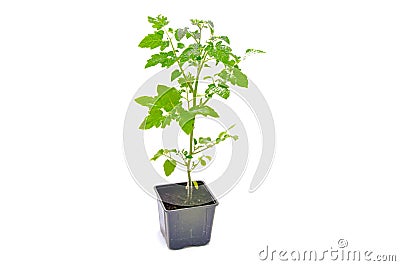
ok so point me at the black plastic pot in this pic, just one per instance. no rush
(185, 220)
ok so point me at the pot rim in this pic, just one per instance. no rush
(216, 203)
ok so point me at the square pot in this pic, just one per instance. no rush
(184, 220)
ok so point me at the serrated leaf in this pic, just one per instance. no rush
(158, 22)
(175, 74)
(241, 79)
(186, 82)
(180, 33)
(192, 52)
(162, 108)
(166, 59)
(153, 119)
(220, 89)
(220, 52)
(169, 167)
(164, 45)
(152, 40)
(254, 51)
(224, 74)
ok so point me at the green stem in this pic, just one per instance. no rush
(204, 103)
(199, 68)
(170, 157)
(196, 152)
(189, 183)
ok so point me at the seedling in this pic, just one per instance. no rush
(190, 50)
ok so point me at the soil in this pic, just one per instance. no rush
(175, 196)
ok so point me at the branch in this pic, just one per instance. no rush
(169, 157)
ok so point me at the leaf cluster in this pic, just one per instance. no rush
(190, 49)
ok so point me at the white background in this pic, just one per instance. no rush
(68, 70)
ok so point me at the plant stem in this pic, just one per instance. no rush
(204, 103)
(189, 184)
(194, 100)
(170, 157)
(212, 145)
(194, 96)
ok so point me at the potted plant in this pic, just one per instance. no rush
(186, 210)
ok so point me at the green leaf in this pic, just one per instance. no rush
(204, 140)
(220, 89)
(211, 26)
(152, 40)
(186, 82)
(203, 110)
(166, 59)
(222, 134)
(169, 167)
(195, 141)
(158, 22)
(224, 74)
(162, 108)
(208, 157)
(235, 137)
(220, 52)
(232, 126)
(195, 184)
(180, 45)
(175, 74)
(153, 119)
(192, 52)
(167, 97)
(225, 39)
(145, 100)
(202, 161)
(167, 121)
(180, 33)
(241, 79)
(186, 120)
(254, 51)
(157, 155)
(164, 45)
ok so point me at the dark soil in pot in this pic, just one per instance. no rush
(177, 196)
